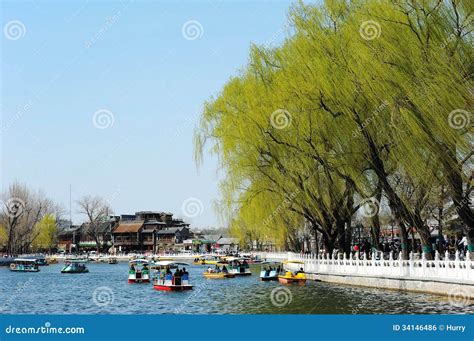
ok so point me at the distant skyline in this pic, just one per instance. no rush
(104, 96)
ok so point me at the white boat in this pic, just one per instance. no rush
(167, 281)
(239, 267)
(138, 271)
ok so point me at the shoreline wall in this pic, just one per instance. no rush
(453, 278)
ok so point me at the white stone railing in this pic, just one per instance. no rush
(453, 271)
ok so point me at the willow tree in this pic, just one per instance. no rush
(21, 212)
(359, 94)
(46, 233)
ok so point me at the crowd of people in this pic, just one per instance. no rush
(217, 269)
(179, 273)
(450, 244)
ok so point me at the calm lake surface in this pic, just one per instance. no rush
(105, 290)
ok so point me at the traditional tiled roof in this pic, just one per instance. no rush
(172, 230)
(212, 237)
(129, 227)
(227, 241)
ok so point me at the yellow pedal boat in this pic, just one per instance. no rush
(289, 278)
(218, 275)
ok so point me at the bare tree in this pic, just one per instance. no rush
(22, 210)
(97, 211)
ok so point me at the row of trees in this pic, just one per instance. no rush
(29, 220)
(365, 104)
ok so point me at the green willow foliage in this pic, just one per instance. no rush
(362, 96)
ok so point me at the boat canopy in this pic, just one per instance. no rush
(25, 260)
(138, 261)
(231, 259)
(169, 263)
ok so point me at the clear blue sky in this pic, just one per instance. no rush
(68, 59)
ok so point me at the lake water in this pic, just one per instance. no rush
(105, 290)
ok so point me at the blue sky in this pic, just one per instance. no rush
(131, 62)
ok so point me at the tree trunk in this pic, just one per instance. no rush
(403, 240)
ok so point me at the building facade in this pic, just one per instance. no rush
(151, 231)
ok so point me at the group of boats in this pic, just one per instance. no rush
(164, 279)
(160, 272)
(71, 266)
(144, 271)
(277, 272)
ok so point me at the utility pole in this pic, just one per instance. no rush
(70, 205)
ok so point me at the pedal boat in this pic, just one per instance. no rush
(41, 261)
(217, 275)
(270, 274)
(138, 271)
(209, 260)
(51, 260)
(289, 277)
(169, 282)
(24, 265)
(74, 266)
(237, 268)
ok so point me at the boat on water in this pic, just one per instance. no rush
(24, 265)
(161, 258)
(253, 259)
(74, 266)
(239, 266)
(289, 277)
(270, 271)
(218, 273)
(77, 258)
(102, 259)
(40, 260)
(112, 260)
(139, 271)
(165, 280)
(51, 260)
(209, 260)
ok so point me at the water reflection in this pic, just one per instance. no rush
(50, 292)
